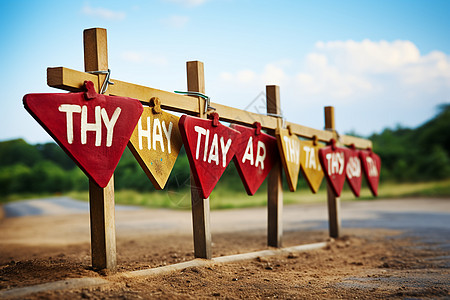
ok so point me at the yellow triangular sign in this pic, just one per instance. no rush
(310, 164)
(155, 143)
(289, 146)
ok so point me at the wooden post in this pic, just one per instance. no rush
(333, 201)
(101, 200)
(274, 181)
(200, 206)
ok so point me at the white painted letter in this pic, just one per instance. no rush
(168, 133)
(312, 159)
(214, 151)
(225, 149)
(144, 133)
(97, 126)
(69, 109)
(248, 154)
(157, 134)
(109, 124)
(260, 157)
(373, 171)
(328, 157)
(341, 158)
(201, 131)
(206, 145)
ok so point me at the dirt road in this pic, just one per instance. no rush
(390, 248)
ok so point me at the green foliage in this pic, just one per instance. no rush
(416, 154)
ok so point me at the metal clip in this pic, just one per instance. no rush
(197, 94)
(278, 116)
(106, 82)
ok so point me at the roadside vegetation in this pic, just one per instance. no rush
(415, 162)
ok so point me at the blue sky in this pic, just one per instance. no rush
(380, 63)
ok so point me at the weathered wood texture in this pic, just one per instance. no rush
(71, 80)
(333, 201)
(274, 180)
(101, 200)
(200, 206)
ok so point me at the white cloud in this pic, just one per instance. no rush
(187, 2)
(176, 22)
(103, 13)
(373, 84)
(349, 70)
(144, 58)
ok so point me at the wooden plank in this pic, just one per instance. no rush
(200, 206)
(71, 80)
(333, 201)
(307, 132)
(274, 181)
(101, 200)
(360, 143)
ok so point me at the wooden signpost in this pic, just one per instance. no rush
(156, 142)
(289, 147)
(153, 134)
(255, 156)
(310, 164)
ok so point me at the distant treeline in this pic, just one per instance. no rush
(419, 154)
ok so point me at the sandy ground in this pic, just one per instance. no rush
(389, 249)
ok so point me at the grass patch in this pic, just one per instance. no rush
(225, 198)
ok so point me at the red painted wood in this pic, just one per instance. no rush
(109, 122)
(371, 165)
(334, 160)
(354, 171)
(210, 146)
(256, 153)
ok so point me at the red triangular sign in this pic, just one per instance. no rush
(255, 156)
(371, 163)
(353, 171)
(333, 160)
(210, 146)
(93, 129)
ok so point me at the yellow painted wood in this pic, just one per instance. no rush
(310, 164)
(155, 143)
(71, 80)
(289, 147)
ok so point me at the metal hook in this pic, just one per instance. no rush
(197, 94)
(106, 82)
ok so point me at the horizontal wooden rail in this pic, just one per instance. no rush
(72, 80)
